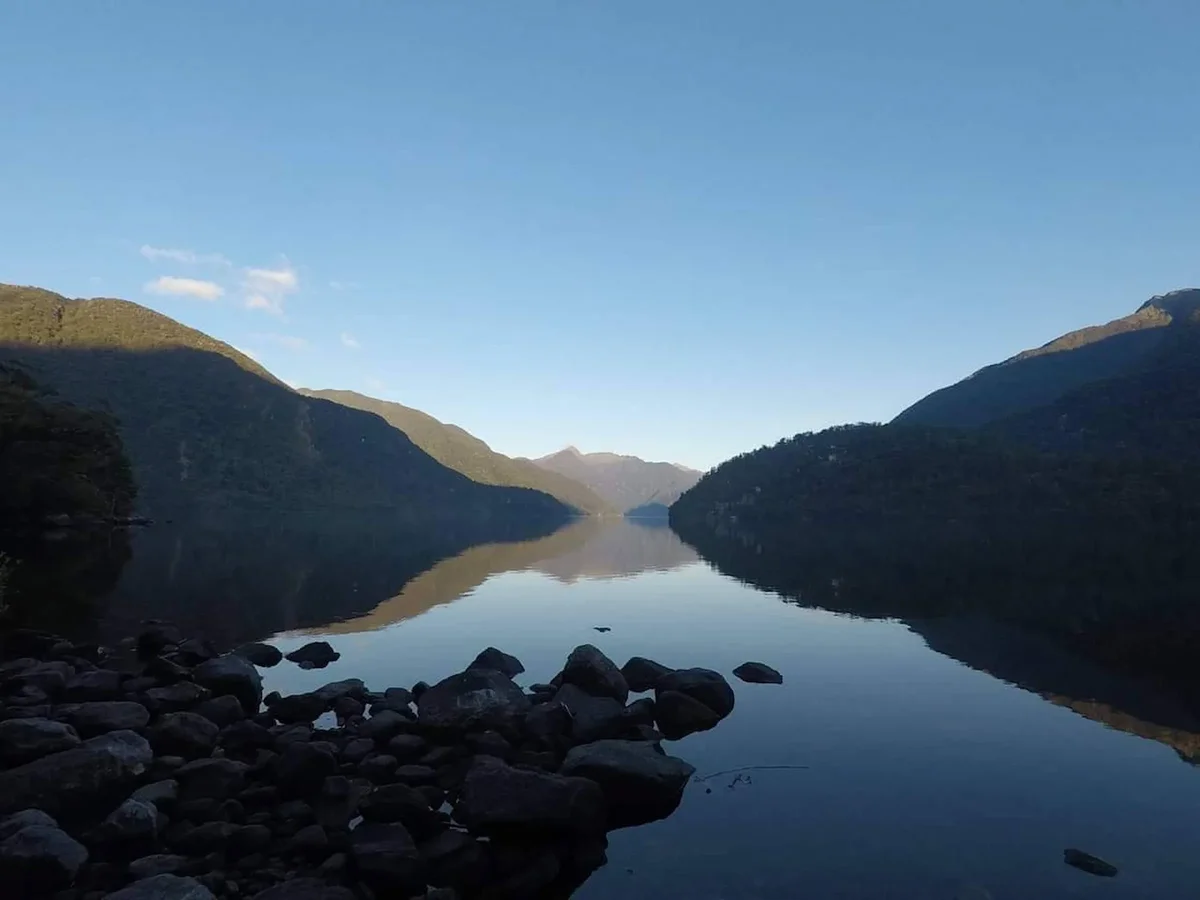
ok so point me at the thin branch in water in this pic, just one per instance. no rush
(703, 778)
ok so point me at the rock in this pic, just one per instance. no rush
(346, 708)
(490, 743)
(384, 726)
(378, 769)
(206, 838)
(336, 690)
(418, 690)
(640, 784)
(263, 655)
(194, 651)
(642, 674)
(102, 717)
(317, 654)
(39, 859)
(26, 817)
(498, 661)
(407, 747)
(679, 715)
(338, 802)
(595, 673)
(454, 858)
(163, 887)
(475, 699)
(176, 697)
(497, 798)
(157, 864)
(358, 749)
(305, 889)
(404, 804)
(298, 708)
(167, 671)
(397, 698)
(592, 718)
(245, 737)
(249, 839)
(386, 859)
(163, 794)
(24, 740)
(88, 780)
(217, 779)
(131, 829)
(549, 723)
(155, 637)
(98, 684)
(529, 880)
(48, 677)
(705, 685)
(639, 712)
(443, 755)
(1085, 862)
(757, 673)
(232, 674)
(311, 841)
(183, 734)
(221, 711)
(302, 768)
(415, 775)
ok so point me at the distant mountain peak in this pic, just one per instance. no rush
(1179, 305)
(625, 482)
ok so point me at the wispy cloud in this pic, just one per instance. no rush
(266, 289)
(187, 257)
(185, 287)
(350, 341)
(290, 341)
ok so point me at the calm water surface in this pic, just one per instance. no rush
(923, 777)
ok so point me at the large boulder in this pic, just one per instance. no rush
(183, 734)
(296, 708)
(497, 798)
(386, 859)
(102, 716)
(263, 655)
(10, 825)
(591, 670)
(96, 684)
(384, 725)
(131, 830)
(642, 674)
(640, 783)
(232, 674)
(705, 685)
(39, 859)
(214, 778)
(679, 715)
(592, 718)
(24, 740)
(221, 711)
(314, 655)
(305, 889)
(175, 697)
(475, 699)
(163, 887)
(336, 690)
(302, 768)
(757, 673)
(88, 780)
(498, 661)
(404, 804)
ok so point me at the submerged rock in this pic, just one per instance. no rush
(474, 699)
(705, 685)
(757, 673)
(317, 655)
(679, 715)
(1085, 862)
(591, 670)
(640, 783)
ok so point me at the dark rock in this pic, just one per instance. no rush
(549, 723)
(603, 629)
(418, 689)
(528, 881)
(217, 779)
(415, 775)
(138, 684)
(23, 819)
(640, 784)
(497, 798)
(232, 674)
(592, 718)
(489, 743)
(88, 780)
(39, 859)
(101, 717)
(48, 677)
(285, 736)
(249, 839)
(455, 859)
(337, 690)
(296, 811)
(163, 887)
(397, 698)
(245, 737)
(176, 697)
(206, 838)
(358, 749)
(705, 685)
(131, 829)
(231, 810)
(546, 760)
(221, 711)
(167, 671)
(156, 637)
(40, 711)
(595, 673)
(311, 841)
(477, 698)
(442, 756)
(757, 673)
(183, 734)
(298, 708)
(260, 795)
(1093, 865)
(433, 795)
(157, 864)
(24, 740)
(338, 802)
(498, 661)
(98, 684)
(404, 804)
(302, 768)
(642, 674)
(305, 889)
(407, 747)
(386, 859)
(199, 809)
(27, 695)
(384, 726)
(263, 655)
(163, 794)
(317, 654)
(679, 715)
(194, 651)
(640, 712)
(378, 769)
(347, 708)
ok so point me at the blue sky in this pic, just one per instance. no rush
(675, 229)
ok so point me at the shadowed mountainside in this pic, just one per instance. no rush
(624, 482)
(206, 427)
(461, 451)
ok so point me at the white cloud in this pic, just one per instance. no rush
(266, 289)
(185, 287)
(290, 341)
(350, 341)
(187, 257)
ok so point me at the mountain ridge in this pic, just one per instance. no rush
(625, 482)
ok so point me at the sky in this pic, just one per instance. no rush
(679, 230)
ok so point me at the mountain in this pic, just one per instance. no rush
(624, 482)
(463, 452)
(1163, 333)
(206, 427)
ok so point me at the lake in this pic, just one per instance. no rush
(882, 768)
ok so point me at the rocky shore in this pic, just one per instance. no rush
(157, 770)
